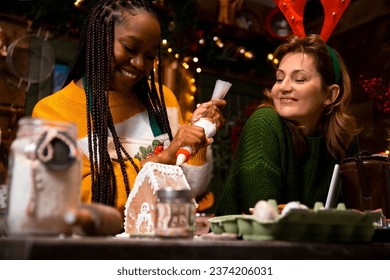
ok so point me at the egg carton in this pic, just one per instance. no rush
(319, 225)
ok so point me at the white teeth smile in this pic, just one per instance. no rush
(286, 99)
(127, 74)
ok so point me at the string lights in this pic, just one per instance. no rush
(77, 3)
(271, 58)
(191, 62)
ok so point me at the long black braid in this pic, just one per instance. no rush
(92, 63)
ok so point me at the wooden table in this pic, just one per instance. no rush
(95, 248)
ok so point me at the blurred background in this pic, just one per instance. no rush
(203, 40)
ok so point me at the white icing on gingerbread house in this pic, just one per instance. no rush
(140, 209)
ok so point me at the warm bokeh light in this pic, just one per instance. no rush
(241, 50)
(185, 65)
(77, 3)
(249, 55)
(188, 115)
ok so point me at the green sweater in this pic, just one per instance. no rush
(265, 168)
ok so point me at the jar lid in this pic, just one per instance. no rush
(170, 193)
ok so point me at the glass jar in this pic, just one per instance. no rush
(44, 177)
(175, 213)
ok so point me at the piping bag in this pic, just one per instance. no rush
(220, 90)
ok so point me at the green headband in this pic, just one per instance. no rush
(336, 64)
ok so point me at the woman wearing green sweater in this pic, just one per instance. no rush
(291, 143)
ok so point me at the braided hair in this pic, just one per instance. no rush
(92, 64)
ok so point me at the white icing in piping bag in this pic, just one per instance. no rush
(220, 90)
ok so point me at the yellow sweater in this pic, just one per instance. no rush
(69, 104)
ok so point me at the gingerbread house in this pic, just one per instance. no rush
(140, 209)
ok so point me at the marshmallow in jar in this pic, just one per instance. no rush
(44, 177)
(175, 213)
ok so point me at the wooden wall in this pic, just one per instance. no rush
(12, 96)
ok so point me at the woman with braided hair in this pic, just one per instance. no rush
(289, 146)
(125, 118)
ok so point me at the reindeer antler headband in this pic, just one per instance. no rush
(293, 11)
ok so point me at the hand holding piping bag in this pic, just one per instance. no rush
(220, 90)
